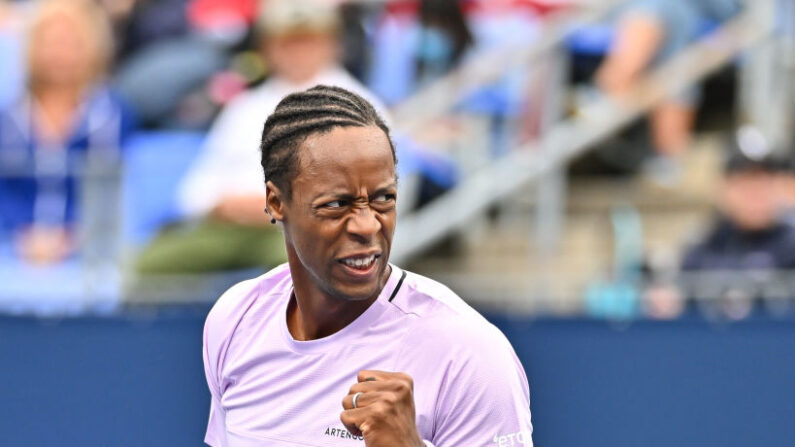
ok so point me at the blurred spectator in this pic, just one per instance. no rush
(413, 47)
(410, 52)
(749, 234)
(225, 189)
(649, 32)
(171, 49)
(785, 186)
(65, 120)
(139, 23)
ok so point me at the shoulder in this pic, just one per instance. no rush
(786, 232)
(255, 104)
(254, 98)
(105, 98)
(479, 368)
(105, 106)
(230, 311)
(244, 104)
(237, 127)
(706, 241)
(233, 306)
(784, 245)
(446, 323)
(428, 298)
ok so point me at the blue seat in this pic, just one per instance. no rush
(154, 164)
(591, 40)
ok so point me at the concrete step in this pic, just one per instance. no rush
(498, 262)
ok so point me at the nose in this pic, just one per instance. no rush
(364, 224)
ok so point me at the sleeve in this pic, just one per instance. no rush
(485, 399)
(218, 332)
(216, 426)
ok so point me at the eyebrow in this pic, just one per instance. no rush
(346, 196)
(392, 185)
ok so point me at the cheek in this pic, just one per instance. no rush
(388, 224)
(315, 239)
(277, 55)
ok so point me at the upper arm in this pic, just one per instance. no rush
(216, 425)
(486, 399)
(219, 329)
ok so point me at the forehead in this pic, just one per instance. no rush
(345, 154)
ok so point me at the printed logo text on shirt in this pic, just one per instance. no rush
(341, 433)
(518, 438)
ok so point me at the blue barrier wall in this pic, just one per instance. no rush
(136, 379)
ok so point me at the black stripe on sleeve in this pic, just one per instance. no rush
(400, 283)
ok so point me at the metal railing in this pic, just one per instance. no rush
(90, 278)
(541, 161)
(570, 137)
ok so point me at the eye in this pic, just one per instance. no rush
(335, 204)
(384, 198)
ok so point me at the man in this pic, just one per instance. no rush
(223, 189)
(649, 33)
(338, 347)
(750, 233)
(301, 44)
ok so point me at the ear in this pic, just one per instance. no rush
(275, 202)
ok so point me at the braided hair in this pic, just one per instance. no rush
(301, 114)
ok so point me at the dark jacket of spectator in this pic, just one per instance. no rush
(729, 248)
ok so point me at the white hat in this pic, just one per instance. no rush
(279, 17)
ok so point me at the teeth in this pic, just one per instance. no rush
(359, 262)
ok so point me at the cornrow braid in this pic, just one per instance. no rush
(301, 114)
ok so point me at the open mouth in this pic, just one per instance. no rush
(360, 263)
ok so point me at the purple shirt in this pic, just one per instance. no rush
(269, 389)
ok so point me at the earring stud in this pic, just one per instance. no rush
(273, 221)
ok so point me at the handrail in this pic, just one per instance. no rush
(442, 95)
(571, 137)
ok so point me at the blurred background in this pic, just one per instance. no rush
(612, 183)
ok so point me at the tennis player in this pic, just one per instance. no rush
(338, 347)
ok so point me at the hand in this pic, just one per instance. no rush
(42, 245)
(384, 413)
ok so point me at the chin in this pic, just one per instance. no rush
(350, 293)
(351, 286)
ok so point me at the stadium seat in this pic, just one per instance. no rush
(593, 40)
(154, 164)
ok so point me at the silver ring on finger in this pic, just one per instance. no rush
(355, 398)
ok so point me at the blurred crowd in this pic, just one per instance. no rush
(90, 82)
(84, 77)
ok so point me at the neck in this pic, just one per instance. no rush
(313, 313)
(307, 79)
(56, 94)
(299, 81)
(55, 107)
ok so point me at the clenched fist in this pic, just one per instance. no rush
(384, 413)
